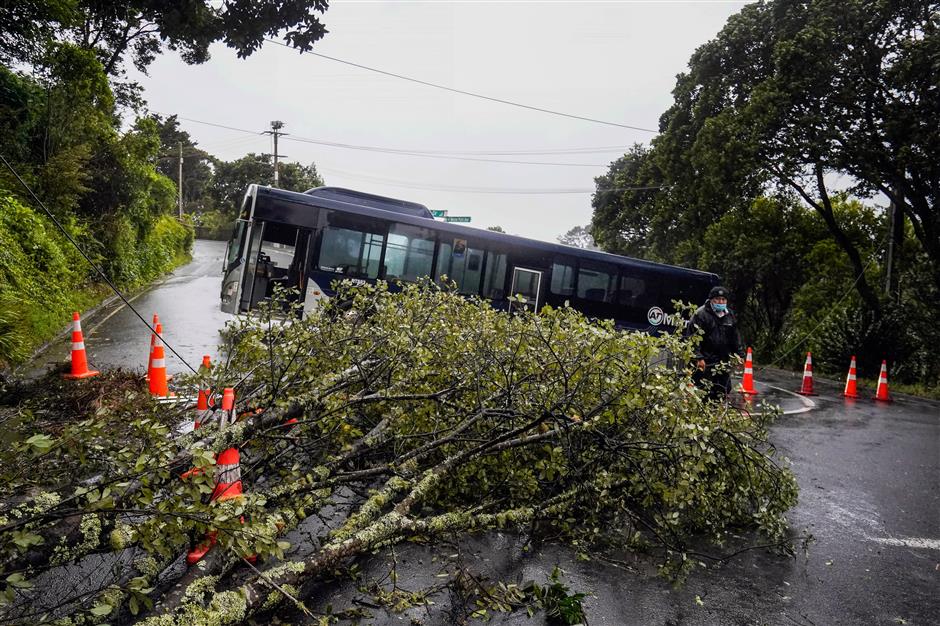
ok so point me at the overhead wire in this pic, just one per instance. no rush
(546, 151)
(483, 190)
(466, 93)
(442, 156)
(90, 262)
(874, 256)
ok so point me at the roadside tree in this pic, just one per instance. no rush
(579, 237)
(793, 94)
(231, 178)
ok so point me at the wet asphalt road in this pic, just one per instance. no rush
(188, 305)
(869, 500)
(869, 477)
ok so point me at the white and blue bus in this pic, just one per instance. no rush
(306, 241)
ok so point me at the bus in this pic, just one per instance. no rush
(306, 241)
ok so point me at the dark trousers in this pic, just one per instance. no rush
(715, 379)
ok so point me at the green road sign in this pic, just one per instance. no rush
(439, 212)
(457, 218)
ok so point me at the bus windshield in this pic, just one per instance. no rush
(236, 246)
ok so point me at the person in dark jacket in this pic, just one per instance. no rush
(720, 345)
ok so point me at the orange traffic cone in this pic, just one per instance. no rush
(228, 475)
(79, 359)
(228, 482)
(228, 407)
(881, 393)
(202, 400)
(850, 390)
(158, 386)
(806, 389)
(153, 338)
(747, 382)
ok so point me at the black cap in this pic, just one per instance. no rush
(718, 292)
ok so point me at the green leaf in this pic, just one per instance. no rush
(101, 609)
(25, 539)
(40, 443)
(17, 580)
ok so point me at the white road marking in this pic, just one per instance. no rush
(908, 542)
(808, 405)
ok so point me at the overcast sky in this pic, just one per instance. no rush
(614, 61)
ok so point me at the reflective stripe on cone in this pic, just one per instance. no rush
(881, 393)
(806, 389)
(79, 367)
(851, 390)
(747, 382)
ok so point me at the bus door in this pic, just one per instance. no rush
(233, 266)
(526, 284)
(278, 258)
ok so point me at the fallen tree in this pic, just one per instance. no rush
(438, 415)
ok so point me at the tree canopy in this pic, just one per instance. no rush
(819, 103)
(59, 130)
(792, 92)
(144, 28)
(579, 237)
(231, 178)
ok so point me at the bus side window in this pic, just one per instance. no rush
(461, 264)
(595, 283)
(494, 283)
(683, 291)
(562, 279)
(632, 290)
(408, 252)
(350, 251)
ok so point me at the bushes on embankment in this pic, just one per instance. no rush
(43, 278)
(62, 133)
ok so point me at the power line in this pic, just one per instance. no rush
(469, 93)
(240, 130)
(439, 156)
(443, 154)
(482, 190)
(874, 255)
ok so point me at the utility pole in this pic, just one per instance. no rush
(275, 132)
(181, 182)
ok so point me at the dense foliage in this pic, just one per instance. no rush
(60, 131)
(142, 29)
(60, 126)
(433, 415)
(784, 124)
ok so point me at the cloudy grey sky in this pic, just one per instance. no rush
(614, 61)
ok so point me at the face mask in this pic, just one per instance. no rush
(720, 308)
